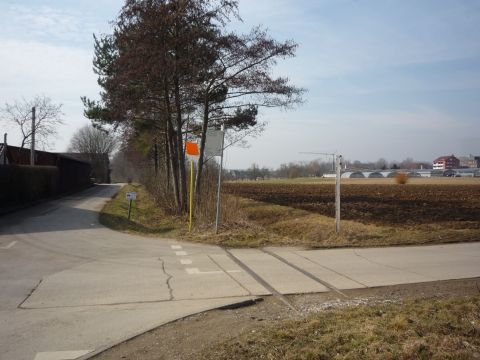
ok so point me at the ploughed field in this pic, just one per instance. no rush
(381, 204)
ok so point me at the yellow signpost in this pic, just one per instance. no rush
(191, 195)
(193, 153)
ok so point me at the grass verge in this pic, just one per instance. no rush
(416, 329)
(147, 218)
(256, 224)
(289, 226)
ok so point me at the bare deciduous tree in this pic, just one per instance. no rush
(90, 140)
(48, 117)
(96, 146)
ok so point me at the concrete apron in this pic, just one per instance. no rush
(72, 288)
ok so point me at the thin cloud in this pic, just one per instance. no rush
(60, 72)
(45, 23)
(344, 37)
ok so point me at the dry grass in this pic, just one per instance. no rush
(282, 225)
(417, 329)
(146, 217)
(249, 223)
(380, 212)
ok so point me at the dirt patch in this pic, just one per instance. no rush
(379, 204)
(194, 336)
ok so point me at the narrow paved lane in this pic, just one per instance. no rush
(70, 287)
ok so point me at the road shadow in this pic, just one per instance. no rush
(67, 213)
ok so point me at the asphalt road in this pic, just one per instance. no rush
(70, 287)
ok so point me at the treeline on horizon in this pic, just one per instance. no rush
(317, 168)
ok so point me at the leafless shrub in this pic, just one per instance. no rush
(159, 185)
(401, 178)
(204, 204)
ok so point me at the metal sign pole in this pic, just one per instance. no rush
(130, 197)
(191, 196)
(338, 165)
(217, 219)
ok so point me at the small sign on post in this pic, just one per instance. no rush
(214, 142)
(193, 154)
(130, 197)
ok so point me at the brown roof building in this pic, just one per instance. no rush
(446, 162)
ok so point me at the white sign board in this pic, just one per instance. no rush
(131, 196)
(213, 144)
(193, 158)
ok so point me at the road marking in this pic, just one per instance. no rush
(176, 247)
(12, 244)
(61, 355)
(181, 253)
(196, 271)
(186, 261)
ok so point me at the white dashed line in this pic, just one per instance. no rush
(181, 253)
(12, 244)
(186, 261)
(176, 247)
(196, 271)
(61, 355)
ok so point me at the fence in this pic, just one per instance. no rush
(23, 184)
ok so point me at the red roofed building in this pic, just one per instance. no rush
(446, 162)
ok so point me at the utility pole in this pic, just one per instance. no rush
(338, 167)
(32, 147)
(5, 149)
(337, 161)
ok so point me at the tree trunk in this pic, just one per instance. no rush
(155, 154)
(174, 164)
(167, 161)
(171, 140)
(198, 180)
(180, 152)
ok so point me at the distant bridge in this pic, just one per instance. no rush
(379, 174)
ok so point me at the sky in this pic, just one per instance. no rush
(385, 79)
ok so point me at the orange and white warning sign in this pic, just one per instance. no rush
(192, 151)
(192, 148)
